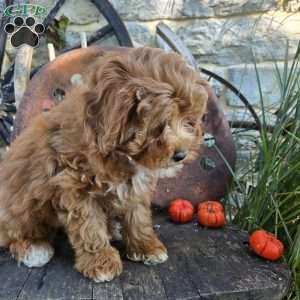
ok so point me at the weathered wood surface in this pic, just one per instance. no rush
(22, 70)
(203, 264)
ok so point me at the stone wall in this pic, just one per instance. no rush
(223, 35)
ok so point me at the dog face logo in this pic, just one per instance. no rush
(24, 32)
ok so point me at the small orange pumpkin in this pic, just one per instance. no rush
(266, 245)
(211, 214)
(181, 210)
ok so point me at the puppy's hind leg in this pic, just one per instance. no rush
(4, 239)
(32, 253)
(28, 241)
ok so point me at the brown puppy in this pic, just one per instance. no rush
(97, 156)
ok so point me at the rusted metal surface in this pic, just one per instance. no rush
(56, 75)
(204, 179)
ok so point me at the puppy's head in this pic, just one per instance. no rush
(148, 105)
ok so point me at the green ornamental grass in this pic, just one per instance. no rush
(270, 186)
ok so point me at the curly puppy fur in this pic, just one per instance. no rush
(97, 156)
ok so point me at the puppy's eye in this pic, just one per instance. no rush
(204, 117)
(191, 123)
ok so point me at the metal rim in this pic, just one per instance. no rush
(238, 93)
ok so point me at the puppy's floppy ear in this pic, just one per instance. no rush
(111, 112)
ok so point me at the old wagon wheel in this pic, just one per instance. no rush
(115, 27)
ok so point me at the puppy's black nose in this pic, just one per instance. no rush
(179, 155)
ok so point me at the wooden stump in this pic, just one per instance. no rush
(203, 264)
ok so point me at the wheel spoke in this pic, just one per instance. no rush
(100, 34)
(52, 13)
(4, 133)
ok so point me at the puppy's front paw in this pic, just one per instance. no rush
(102, 266)
(155, 259)
(150, 253)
